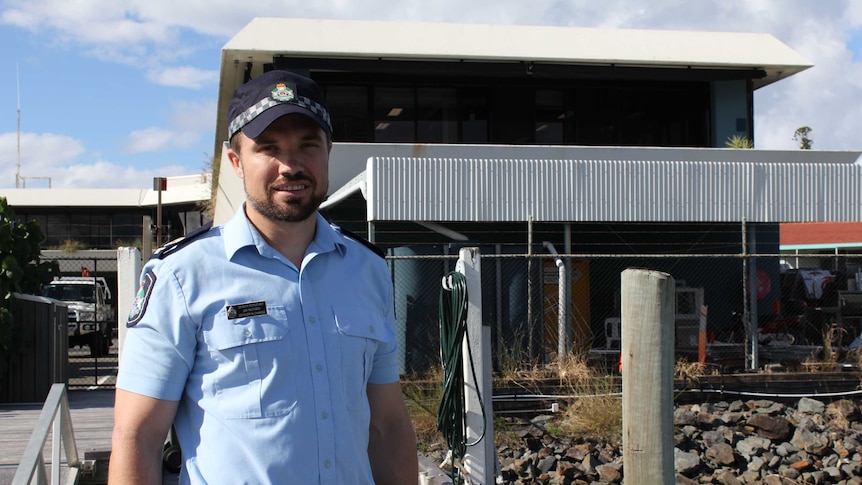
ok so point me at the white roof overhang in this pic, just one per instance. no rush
(183, 189)
(265, 38)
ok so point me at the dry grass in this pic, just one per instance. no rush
(597, 416)
(574, 370)
(688, 371)
(828, 359)
(422, 394)
(70, 246)
(597, 410)
(854, 356)
(592, 407)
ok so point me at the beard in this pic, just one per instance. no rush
(292, 210)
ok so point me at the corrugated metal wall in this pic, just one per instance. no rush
(433, 189)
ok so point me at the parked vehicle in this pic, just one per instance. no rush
(91, 314)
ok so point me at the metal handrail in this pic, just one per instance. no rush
(32, 465)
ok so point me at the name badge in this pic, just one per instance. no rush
(245, 310)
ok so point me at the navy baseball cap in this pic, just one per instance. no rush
(259, 102)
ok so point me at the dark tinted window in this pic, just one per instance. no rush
(576, 112)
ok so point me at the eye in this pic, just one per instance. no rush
(267, 148)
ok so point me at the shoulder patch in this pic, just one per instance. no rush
(142, 298)
(179, 242)
(376, 250)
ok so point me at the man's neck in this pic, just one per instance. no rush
(291, 239)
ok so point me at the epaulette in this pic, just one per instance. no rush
(181, 241)
(361, 240)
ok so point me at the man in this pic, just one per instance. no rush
(267, 341)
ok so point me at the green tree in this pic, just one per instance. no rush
(21, 271)
(801, 135)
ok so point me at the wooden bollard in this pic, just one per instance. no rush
(647, 348)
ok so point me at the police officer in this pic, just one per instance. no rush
(267, 341)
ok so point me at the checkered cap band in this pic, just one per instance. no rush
(264, 104)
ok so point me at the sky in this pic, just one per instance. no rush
(111, 93)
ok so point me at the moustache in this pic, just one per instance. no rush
(293, 178)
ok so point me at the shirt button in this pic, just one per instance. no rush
(310, 319)
(247, 333)
(318, 367)
(324, 415)
(327, 464)
(370, 329)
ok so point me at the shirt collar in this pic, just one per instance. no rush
(239, 233)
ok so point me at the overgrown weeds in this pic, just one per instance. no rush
(595, 409)
(688, 371)
(70, 246)
(829, 356)
(589, 395)
(422, 394)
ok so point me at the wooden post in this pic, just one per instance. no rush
(647, 353)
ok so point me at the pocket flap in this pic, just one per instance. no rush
(358, 322)
(228, 333)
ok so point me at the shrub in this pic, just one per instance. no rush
(21, 271)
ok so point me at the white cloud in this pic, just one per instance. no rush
(151, 140)
(104, 174)
(194, 117)
(108, 25)
(184, 76)
(40, 153)
(188, 122)
(63, 160)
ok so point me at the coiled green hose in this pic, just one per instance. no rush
(453, 330)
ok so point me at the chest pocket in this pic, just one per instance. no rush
(361, 332)
(249, 374)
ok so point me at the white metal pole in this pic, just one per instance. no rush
(752, 299)
(563, 336)
(480, 459)
(128, 283)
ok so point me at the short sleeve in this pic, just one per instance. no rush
(160, 339)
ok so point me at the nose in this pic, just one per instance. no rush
(291, 168)
(288, 162)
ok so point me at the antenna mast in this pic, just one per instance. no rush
(18, 178)
(18, 85)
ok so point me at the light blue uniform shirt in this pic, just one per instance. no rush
(269, 363)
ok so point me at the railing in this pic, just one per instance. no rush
(32, 466)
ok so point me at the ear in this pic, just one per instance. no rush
(235, 162)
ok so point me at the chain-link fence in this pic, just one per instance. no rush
(803, 305)
(732, 310)
(87, 286)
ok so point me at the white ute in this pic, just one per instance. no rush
(91, 316)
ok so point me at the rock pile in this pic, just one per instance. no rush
(728, 443)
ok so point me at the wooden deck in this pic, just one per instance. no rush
(92, 421)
